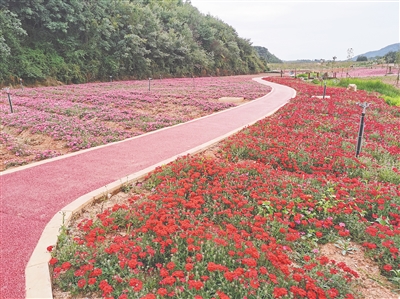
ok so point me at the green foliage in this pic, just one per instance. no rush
(389, 92)
(268, 56)
(362, 58)
(81, 41)
(11, 34)
(391, 57)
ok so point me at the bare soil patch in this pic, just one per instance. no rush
(371, 284)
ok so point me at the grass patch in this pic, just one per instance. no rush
(390, 93)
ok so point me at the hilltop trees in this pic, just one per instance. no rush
(362, 58)
(264, 53)
(79, 41)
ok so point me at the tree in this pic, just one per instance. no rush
(362, 58)
(11, 35)
(390, 57)
(269, 57)
(76, 41)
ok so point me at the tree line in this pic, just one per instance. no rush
(76, 41)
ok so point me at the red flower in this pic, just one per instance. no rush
(222, 295)
(273, 278)
(53, 261)
(137, 284)
(81, 283)
(162, 291)
(387, 268)
(179, 274)
(189, 267)
(169, 280)
(66, 265)
(92, 281)
(170, 265)
(280, 292)
(263, 270)
(333, 293)
(195, 284)
(105, 287)
(96, 272)
(255, 284)
(229, 275)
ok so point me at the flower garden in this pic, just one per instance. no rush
(249, 220)
(361, 72)
(50, 121)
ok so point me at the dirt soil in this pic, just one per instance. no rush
(371, 284)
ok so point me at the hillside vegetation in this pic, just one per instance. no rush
(81, 41)
(269, 57)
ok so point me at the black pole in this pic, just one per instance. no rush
(360, 134)
(361, 129)
(324, 90)
(9, 100)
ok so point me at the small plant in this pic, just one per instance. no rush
(396, 277)
(345, 246)
(126, 187)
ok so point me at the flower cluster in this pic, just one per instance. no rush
(248, 222)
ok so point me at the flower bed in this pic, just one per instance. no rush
(360, 72)
(247, 222)
(88, 115)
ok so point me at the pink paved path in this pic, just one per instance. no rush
(31, 197)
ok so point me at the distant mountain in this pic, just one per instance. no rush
(380, 53)
(264, 53)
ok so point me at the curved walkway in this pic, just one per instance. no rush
(32, 195)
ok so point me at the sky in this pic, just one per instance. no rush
(300, 29)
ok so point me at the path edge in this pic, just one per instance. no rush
(37, 272)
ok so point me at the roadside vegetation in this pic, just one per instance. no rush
(390, 93)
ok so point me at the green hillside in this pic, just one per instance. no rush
(269, 57)
(82, 41)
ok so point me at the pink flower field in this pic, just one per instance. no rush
(51, 121)
(362, 72)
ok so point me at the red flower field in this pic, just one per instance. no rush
(249, 219)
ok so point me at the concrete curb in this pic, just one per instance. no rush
(37, 273)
